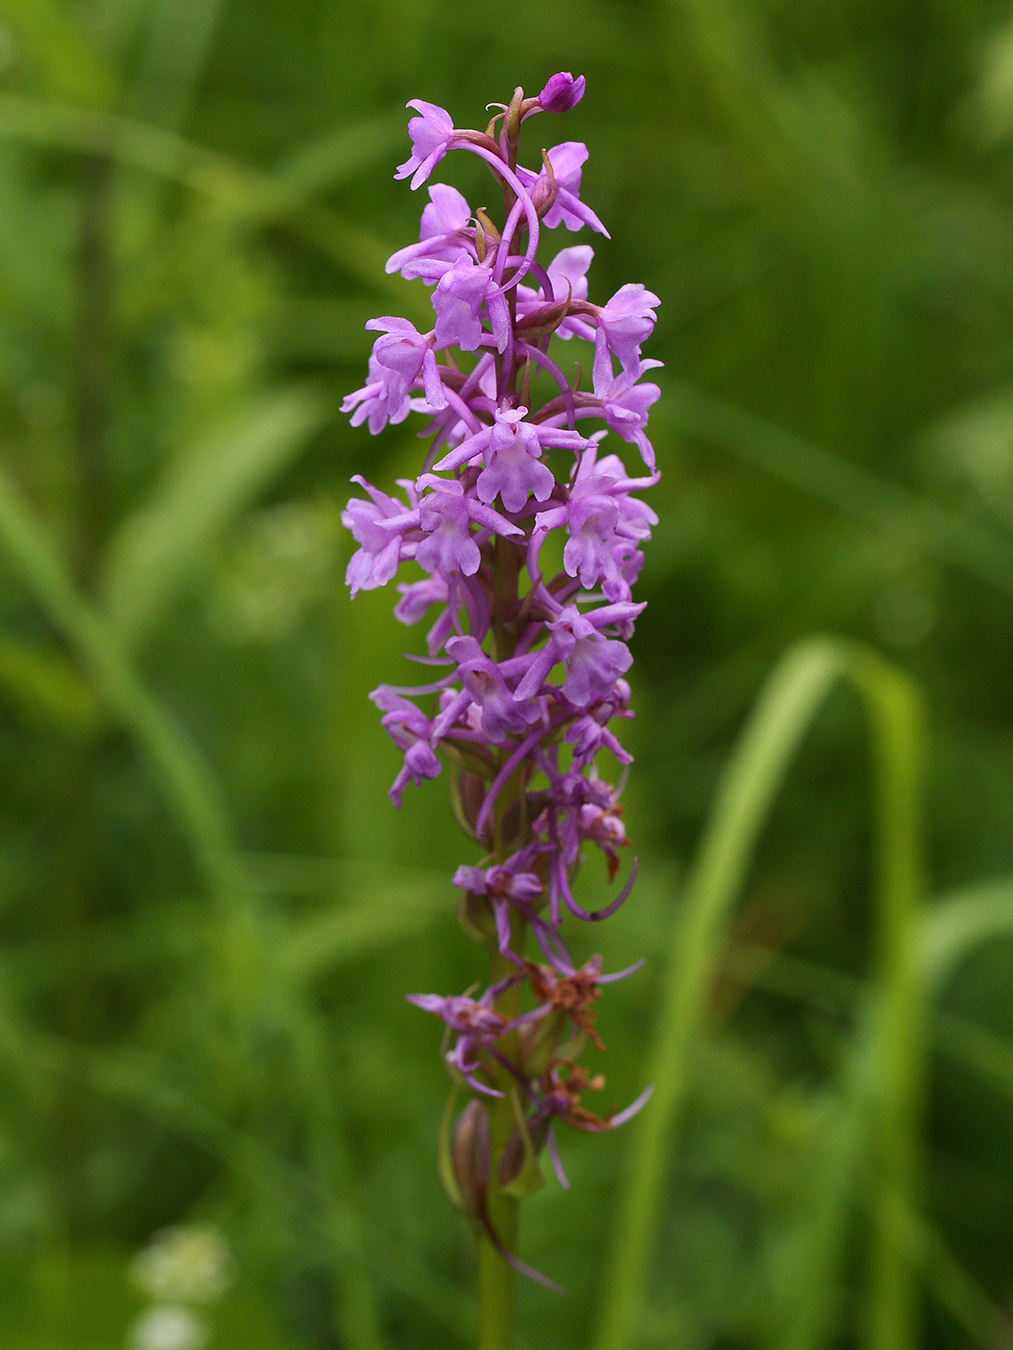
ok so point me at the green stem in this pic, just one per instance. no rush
(496, 1289)
(496, 1279)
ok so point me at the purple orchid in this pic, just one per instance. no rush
(513, 467)
(561, 93)
(624, 405)
(563, 188)
(381, 550)
(443, 232)
(431, 133)
(460, 294)
(478, 1027)
(623, 324)
(406, 356)
(446, 514)
(530, 670)
(410, 731)
(506, 882)
(485, 687)
(373, 401)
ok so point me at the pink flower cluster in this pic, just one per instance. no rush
(535, 663)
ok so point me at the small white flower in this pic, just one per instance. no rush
(184, 1265)
(167, 1327)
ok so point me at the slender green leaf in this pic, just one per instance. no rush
(71, 65)
(44, 685)
(190, 790)
(958, 923)
(328, 162)
(745, 797)
(158, 548)
(975, 549)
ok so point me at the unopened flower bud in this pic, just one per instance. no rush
(561, 93)
(513, 117)
(474, 914)
(469, 1156)
(544, 192)
(538, 1043)
(519, 1154)
(545, 319)
(490, 230)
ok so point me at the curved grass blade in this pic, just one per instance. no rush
(47, 688)
(980, 552)
(326, 163)
(955, 926)
(251, 194)
(189, 788)
(786, 708)
(158, 547)
(69, 63)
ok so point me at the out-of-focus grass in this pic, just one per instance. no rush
(208, 912)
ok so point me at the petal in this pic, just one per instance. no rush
(432, 383)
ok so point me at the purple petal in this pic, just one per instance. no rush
(623, 1116)
(557, 1162)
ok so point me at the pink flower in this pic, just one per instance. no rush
(561, 93)
(623, 324)
(567, 162)
(430, 135)
(484, 686)
(446, 516)
(512, 463)
(373, 400)
(443, 231)
(457, 300)
(624, 406)
(406, 355)
(380, 550)
(410, 730)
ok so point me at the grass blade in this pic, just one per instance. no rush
(792, 696)
(328, 162)
(958, 923)
(189, 788)
(175, 50)
(70, 65)
(980, 552)
(786, 708)
(157, 549)
(898, 1057)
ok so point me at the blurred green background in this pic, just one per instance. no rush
(209, 913)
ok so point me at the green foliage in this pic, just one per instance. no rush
(209, 914)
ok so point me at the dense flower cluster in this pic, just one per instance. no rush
(534, 663)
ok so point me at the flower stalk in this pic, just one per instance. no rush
(529, 668)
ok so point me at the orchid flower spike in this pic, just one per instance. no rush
(530, 671)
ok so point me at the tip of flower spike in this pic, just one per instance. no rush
(561, 93)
